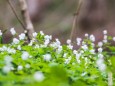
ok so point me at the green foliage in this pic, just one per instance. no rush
(51, 64)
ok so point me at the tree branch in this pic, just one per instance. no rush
(10, 4)
(75, 21)
(26, 17)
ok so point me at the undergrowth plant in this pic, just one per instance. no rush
(46, 62)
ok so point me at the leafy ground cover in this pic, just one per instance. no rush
(46, 62)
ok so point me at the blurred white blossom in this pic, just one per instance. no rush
(47, 57)
(13, 32)
(15, 41)
(22, 36)
(38, 76)
(25, 55)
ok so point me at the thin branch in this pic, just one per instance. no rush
(14, 11)
(26, 17)
(75, 21)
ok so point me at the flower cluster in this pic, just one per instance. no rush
(45, 62)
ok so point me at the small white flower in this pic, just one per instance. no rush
(92, 51)
(85, 47)
(100, 50)
(86, 35)
(105, 32)
(65, 55)
(92, 38)
(41, 32)
(68, 41)
(58, 42)
(59, 49)
(47, 57)
(113, 38)
(34, 34)
(38, 76)
(9, 50)
(15, 41)
(6, 69)
(78, 41)
(100, 44)
(19, 47)
(74, 52)
(83, 74)
(70, 46)
(100, 55)
(22, 36)
(27, 65)
(25, 31)
(13, 32)
(20, 67)
(8, 60)
(67, 61)
(25, 55)
(100, 64)
(47, 37)
(0, 33)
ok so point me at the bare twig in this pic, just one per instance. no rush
(27, 20)
(75, 20)
(14, 11)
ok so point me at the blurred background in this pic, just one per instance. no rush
(55, 17)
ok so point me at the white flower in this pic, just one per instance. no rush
(25, 55)
(100, 44)
(84, 47)
(92, 38)
(59, 49)
(70, 46)
(58, 42)
(27, 65)
(15, 41)
(74, 52)
(86, 35)
(22, 36)
(8, 60)
(100, 64)
(20, 67)
(47, 57)
(113, 38)
(13, 32)
(100, 50)
(41, 32)
(38, 76)
(65, 55)
(105, 32)
(47, 37)
(10, 50)
(6, 69)
(0, 33)
(68, 41)
(100, 55)
(78, 41)
(34, 34)
(19, 47)
(67, 60)
(25, 31)
(92, 51)
(83, 74)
